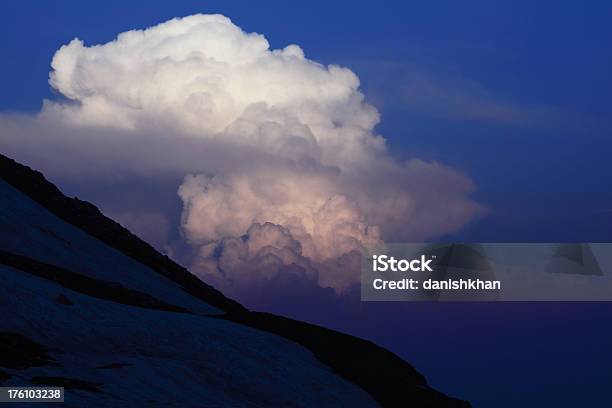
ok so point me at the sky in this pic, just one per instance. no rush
(536, 77)
(512, 96)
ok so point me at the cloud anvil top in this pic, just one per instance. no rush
(272, 146)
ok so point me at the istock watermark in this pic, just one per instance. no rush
(486, 272)
(382, 263)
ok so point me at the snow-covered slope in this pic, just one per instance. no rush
(28, 229)
(162, 358)
(88, 306)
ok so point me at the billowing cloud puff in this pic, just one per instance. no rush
(283, 172)
(326, 223)
(204, 75)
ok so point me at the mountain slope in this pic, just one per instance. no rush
(89, 219)
(97, 310)
(131, 356)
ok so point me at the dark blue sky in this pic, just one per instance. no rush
(516, 95)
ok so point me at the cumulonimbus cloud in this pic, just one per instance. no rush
(283, 171)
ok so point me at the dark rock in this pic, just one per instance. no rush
(113, 366)
(67, 383)
(4, 376)
(86, 285)
(18, 352)
(387, 378)
(63, 300)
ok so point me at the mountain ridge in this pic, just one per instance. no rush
(387, 378)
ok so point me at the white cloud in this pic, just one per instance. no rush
(283, 170)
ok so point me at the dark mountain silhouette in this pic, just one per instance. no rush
(91, 307)
(89, 218)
